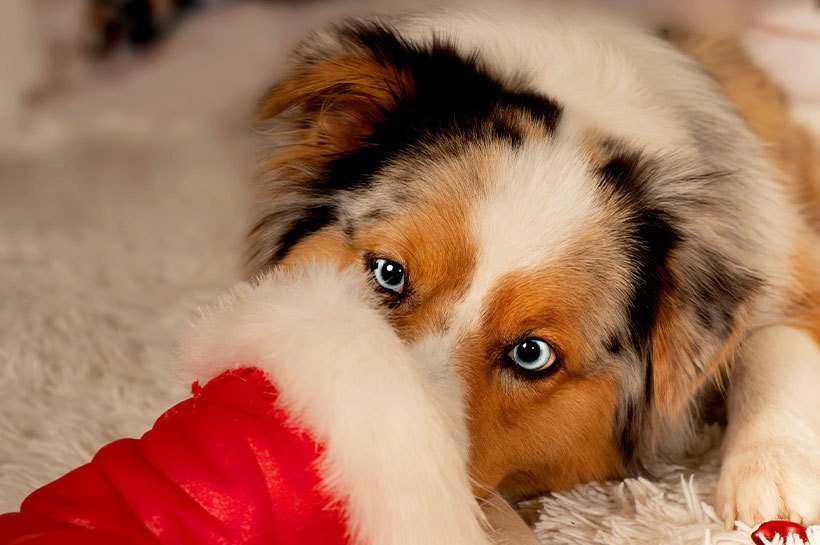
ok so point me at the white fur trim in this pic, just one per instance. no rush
(394, 456)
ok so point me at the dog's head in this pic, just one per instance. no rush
(510, 240)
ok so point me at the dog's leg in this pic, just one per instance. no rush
(771, 453)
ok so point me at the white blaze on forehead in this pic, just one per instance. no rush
(543, 194)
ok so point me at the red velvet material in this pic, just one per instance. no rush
(224, 467)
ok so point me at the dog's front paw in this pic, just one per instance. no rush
(770, 481)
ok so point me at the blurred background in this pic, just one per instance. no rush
(126, 151)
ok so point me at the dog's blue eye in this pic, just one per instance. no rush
(389, 275)
(532, 355)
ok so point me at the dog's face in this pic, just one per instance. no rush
(509, 269)
(508, 241)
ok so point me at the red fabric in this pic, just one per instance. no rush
(221, 468)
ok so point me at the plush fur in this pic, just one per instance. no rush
(395, 451)
(633, 198)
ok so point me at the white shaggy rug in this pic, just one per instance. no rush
(122, 206)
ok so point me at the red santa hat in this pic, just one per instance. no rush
(314, 425)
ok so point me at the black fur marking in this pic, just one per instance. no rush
(506, 131)
(351, 171)
(613, 345)
(313, 219)
(374, 214)
(718, 292)
(449, 99)
(625, 173)
(350, 230)
(651, 237)
(629, 433)
(450, 96)
(651, 240)
(538, 107)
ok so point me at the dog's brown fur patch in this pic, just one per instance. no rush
(328, 245)
(574, 408)
(805, 301)
(432, 242)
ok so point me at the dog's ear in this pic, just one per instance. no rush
(335, 99)
(698, 328)
(341, 88)
(680, 364)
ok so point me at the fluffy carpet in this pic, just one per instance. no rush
(122, 208)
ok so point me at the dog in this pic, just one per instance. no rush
(586, 228)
